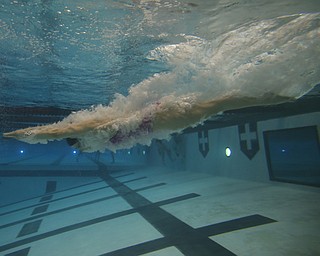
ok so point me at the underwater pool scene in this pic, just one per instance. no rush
(160, 128)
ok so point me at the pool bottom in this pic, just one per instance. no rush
(162, 212)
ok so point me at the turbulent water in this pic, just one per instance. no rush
(74, 54)
(131, 55)
(278, 56)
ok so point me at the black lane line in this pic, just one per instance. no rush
(23, 252)
(44, 199)
(51, 186)
(33, 227)
(236, 224)
(123, 175)
(187, 240)
(40, 209)
(174, 200)
(80, 225)
(143, 248)
(151, 186)
(168, 201)
(59, 191)
(49, 197)
(58, 211)
(211, 230)
(30, 228)
(140, 178)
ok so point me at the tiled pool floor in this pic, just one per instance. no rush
(163, 212)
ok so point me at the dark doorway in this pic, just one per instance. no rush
(293, 155)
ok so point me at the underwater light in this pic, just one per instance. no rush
(228, 152)
(21, 151)
(129, 152)
(144, 152)
(74, 152)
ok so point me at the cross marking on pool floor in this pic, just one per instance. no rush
(190, 241)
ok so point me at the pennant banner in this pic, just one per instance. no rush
(248, 137)
(203, 140)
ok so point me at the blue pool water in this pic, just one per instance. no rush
(142, 183)
(77, 54)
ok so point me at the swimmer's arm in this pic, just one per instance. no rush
(44, 133)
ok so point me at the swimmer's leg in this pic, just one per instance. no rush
(168, 119)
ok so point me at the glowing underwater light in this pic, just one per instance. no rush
(228, 152)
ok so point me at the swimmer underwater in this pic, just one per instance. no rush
(99, 134)
(268, 62)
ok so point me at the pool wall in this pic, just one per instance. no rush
(205, 150)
